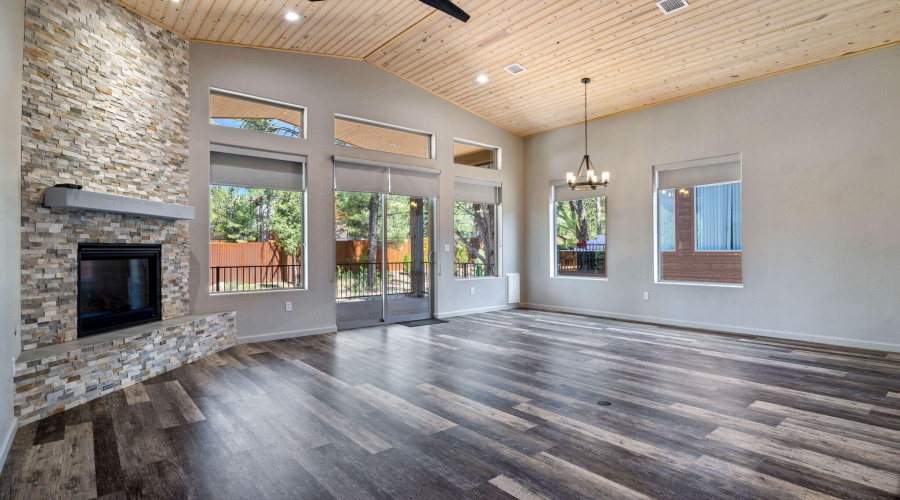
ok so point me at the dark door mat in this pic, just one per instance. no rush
(423, 322)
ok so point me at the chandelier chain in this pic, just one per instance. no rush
(585, 119)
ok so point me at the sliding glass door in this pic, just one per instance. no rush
(408, 289)
(382, 258)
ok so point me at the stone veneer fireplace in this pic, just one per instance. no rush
(105, 107)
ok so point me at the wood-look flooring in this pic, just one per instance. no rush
(500, 405)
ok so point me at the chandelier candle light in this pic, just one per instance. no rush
(590, 181)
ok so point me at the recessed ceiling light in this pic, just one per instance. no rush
(481, 79)
(292, 16)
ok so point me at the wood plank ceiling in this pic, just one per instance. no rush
(636, 55)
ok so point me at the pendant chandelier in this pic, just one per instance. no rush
(574, 179)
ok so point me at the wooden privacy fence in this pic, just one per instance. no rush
(222, 254)
(253, 265)
(346, 251)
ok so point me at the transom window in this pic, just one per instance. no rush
(230, 109)
(475, 155)
(367, 134)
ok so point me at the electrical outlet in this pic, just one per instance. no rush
(287, 306)
(646, 295)
(447, 248)
(472, 291)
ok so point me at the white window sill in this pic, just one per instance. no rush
(247, 292)
(691, 283)
(581, 278)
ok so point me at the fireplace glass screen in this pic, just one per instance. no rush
(118, 286)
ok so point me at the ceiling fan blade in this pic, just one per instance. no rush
(447, 7)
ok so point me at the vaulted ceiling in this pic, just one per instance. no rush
(636, 55)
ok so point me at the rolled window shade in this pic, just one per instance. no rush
(376, 177)
(229, 169)
(699, 172)
(414, 182)
(476, 191)
(349, 176)
(561, 192)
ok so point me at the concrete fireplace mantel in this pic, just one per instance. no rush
(65, 198)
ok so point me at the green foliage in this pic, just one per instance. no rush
(352, 217)
(461, 254)
(241, 215)
(406, 258)
(287, 221)
(474, 228)
(580, 220)
(233, 215)
(270, 126)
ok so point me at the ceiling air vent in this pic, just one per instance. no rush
(670, 6)
(515, 68)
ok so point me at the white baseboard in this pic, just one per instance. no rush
(262, 337)
(759, 332)
(7, 440)
(464, 312)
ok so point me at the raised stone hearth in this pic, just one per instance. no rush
(54, 378)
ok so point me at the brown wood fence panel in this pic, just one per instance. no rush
(247, 254)
(347, 251)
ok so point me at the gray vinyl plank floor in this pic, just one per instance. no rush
(502, 405)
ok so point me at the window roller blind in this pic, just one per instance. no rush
(375, 177)
(561, 192)
(230, 169)
(476, 191)
(699, 172)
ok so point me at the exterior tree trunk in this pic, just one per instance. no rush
(374, 208)
(581, 227)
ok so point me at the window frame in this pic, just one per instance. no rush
(304, 259)
(554, 261)
(655, 226)
(364, 121)
(262, 100)
(498, 165)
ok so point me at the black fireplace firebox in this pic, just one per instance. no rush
(119, 285)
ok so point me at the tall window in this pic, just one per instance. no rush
(475, 218)
(366, 134)
(230, 109)
(256, 223)
(475, 155)
(699, 221)
(580, 237)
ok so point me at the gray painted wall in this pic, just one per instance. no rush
(12, 29)
(821, 201)
(328, 85)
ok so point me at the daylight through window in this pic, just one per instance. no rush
(475, 214)
(579, 219)
(257, 239)
(248, 113)
(699, 221)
